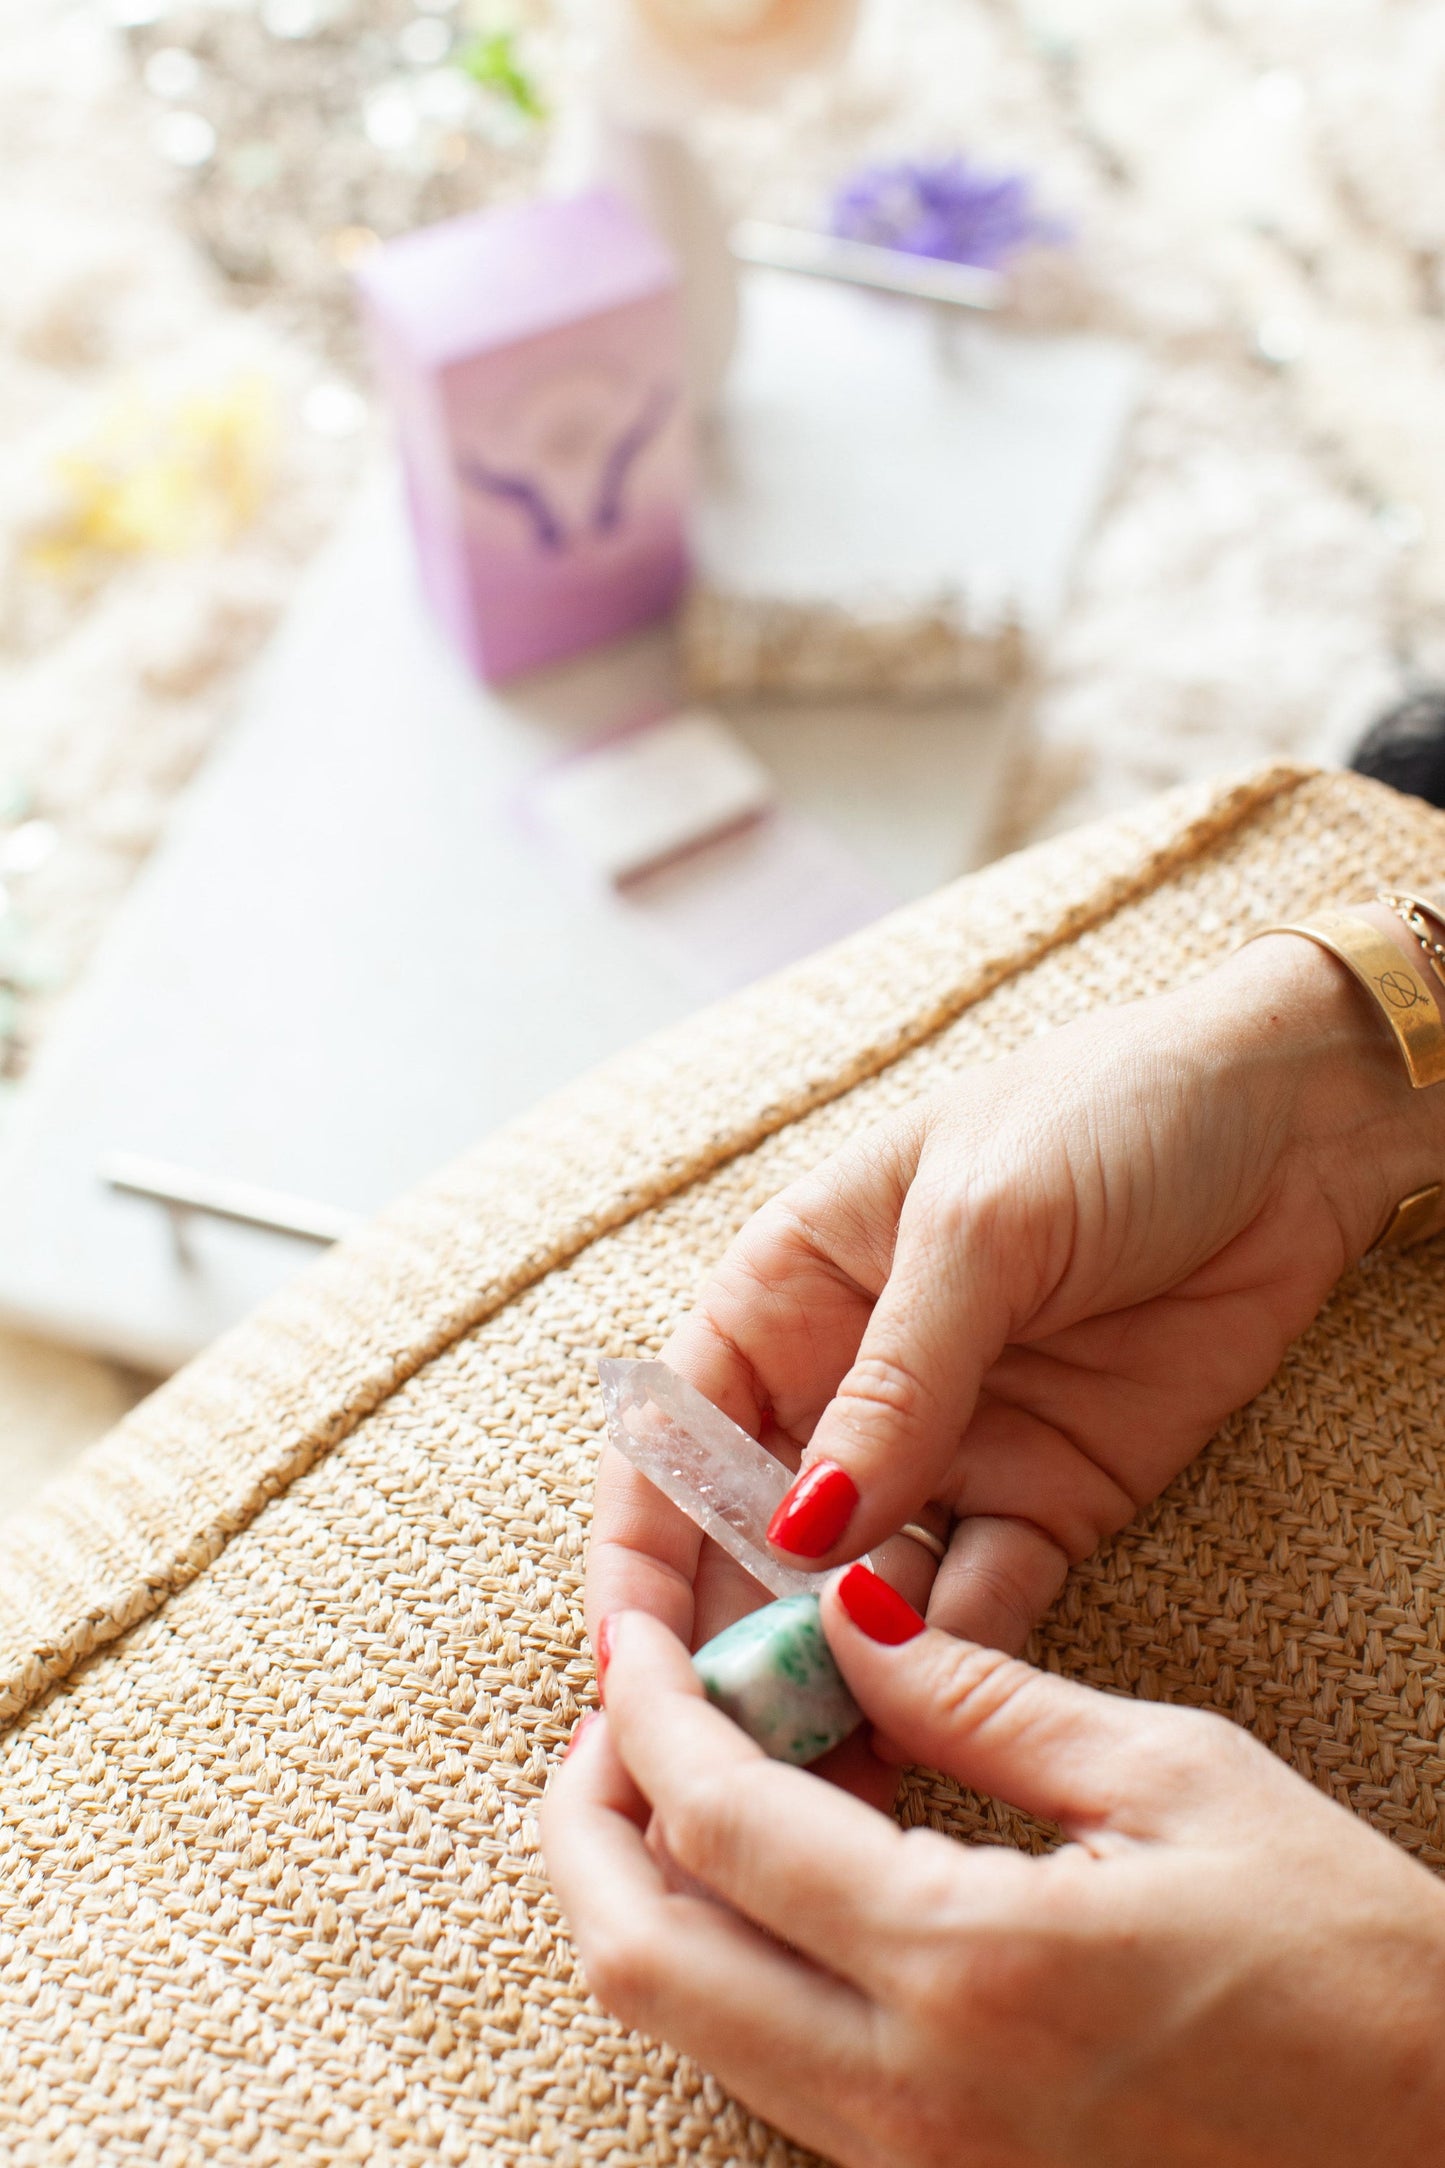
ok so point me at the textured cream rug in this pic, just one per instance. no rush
(1254, 187)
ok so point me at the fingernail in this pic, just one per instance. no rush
(876, 1609)
(584, 1724)
(603, 1646)
(815, 1511)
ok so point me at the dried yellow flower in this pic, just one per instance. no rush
(162, 475)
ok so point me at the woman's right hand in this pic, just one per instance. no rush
(1025, 1303)
(1220, 1968)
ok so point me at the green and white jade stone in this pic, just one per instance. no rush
(773, 1673)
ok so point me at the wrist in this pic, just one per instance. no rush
(1307, 1041)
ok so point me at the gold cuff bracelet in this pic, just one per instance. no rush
(1399, 989)
(1405, 1000)
(1413, 1219)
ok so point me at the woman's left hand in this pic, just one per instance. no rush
(1219, 1969)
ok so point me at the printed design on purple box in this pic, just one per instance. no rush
(526, 493)
(574, 445)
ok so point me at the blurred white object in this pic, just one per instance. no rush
(185, 139)
(659, 64)
(27, 847)
(181, 1193)
(655, 170)
(334, 408)
(172, 72)
(862, 263)
(347, 959)
(878, 463)
(651, 794)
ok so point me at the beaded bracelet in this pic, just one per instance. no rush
(1415, 912)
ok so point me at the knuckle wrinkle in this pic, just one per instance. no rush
(880, 1383)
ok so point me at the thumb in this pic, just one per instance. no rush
(1052, 1748)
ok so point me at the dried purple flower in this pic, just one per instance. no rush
(944, 207)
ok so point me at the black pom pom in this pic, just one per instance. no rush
(1406, 747)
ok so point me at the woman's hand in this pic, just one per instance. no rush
(1026, 1303)
(1220, 1969)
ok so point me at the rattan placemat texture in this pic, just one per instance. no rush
(290, 1655)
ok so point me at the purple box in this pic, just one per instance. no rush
(532, 358)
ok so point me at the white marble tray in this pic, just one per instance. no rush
(349, 959)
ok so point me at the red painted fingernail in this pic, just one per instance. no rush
(603, 1646)
(584, 1724)
(876, 1609)
(815, 1511)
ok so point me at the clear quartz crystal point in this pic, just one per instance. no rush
(719, 1476)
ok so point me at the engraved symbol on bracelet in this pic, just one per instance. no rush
(1400, 992)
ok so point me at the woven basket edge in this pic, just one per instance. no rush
(97, 1597)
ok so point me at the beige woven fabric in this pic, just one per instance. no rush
(289, 1657)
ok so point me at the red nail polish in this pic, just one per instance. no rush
(603, 1646)
(584, 1723)
(815, 1511)
(876, 1609)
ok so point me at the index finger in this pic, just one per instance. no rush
(779, 1323)
(771, 1336)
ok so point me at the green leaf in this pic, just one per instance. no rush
(491, 60)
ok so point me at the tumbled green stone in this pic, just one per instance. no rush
(773, 1673)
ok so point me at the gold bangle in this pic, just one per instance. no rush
(1399, 990)
(926, 1537)
(1413, 1219)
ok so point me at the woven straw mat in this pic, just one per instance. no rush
(285, 1664)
